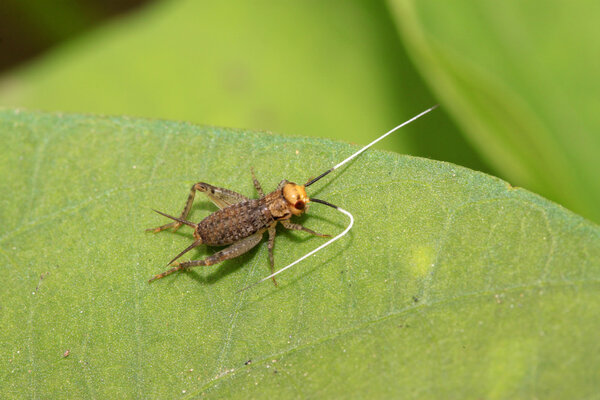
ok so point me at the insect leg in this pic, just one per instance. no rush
(272, 232)
(221, 197)
(297, 227)
(257, 184)
(227, 253)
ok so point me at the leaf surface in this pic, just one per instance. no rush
(452, 283)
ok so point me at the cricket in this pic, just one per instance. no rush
(241, 222)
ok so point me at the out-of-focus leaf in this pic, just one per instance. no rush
(452, 284)
(332, 69)
(521, 80)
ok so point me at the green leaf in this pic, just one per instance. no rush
(520, 79)
(301, 68)
(452, 284)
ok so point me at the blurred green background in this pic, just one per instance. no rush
(517, 81)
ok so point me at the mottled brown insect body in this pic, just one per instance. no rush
(235, 222)
(240, 222)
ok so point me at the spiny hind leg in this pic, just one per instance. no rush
(232, 251)
(297, 227)
(272, 232)
(220, 196)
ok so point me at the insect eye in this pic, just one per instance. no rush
(299, 205)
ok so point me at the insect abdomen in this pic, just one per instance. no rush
(235, 222)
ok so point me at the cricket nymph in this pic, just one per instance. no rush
(240, 222)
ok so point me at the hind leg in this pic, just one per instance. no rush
(220, 196)
(232, 251)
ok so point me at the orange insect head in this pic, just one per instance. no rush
(296, 197)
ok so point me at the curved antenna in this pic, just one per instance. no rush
(371, 144)
(315, 250)
(310, 182)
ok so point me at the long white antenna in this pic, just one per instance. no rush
(336, 207)
(384, 135)
(371, 144)
(310, 253)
